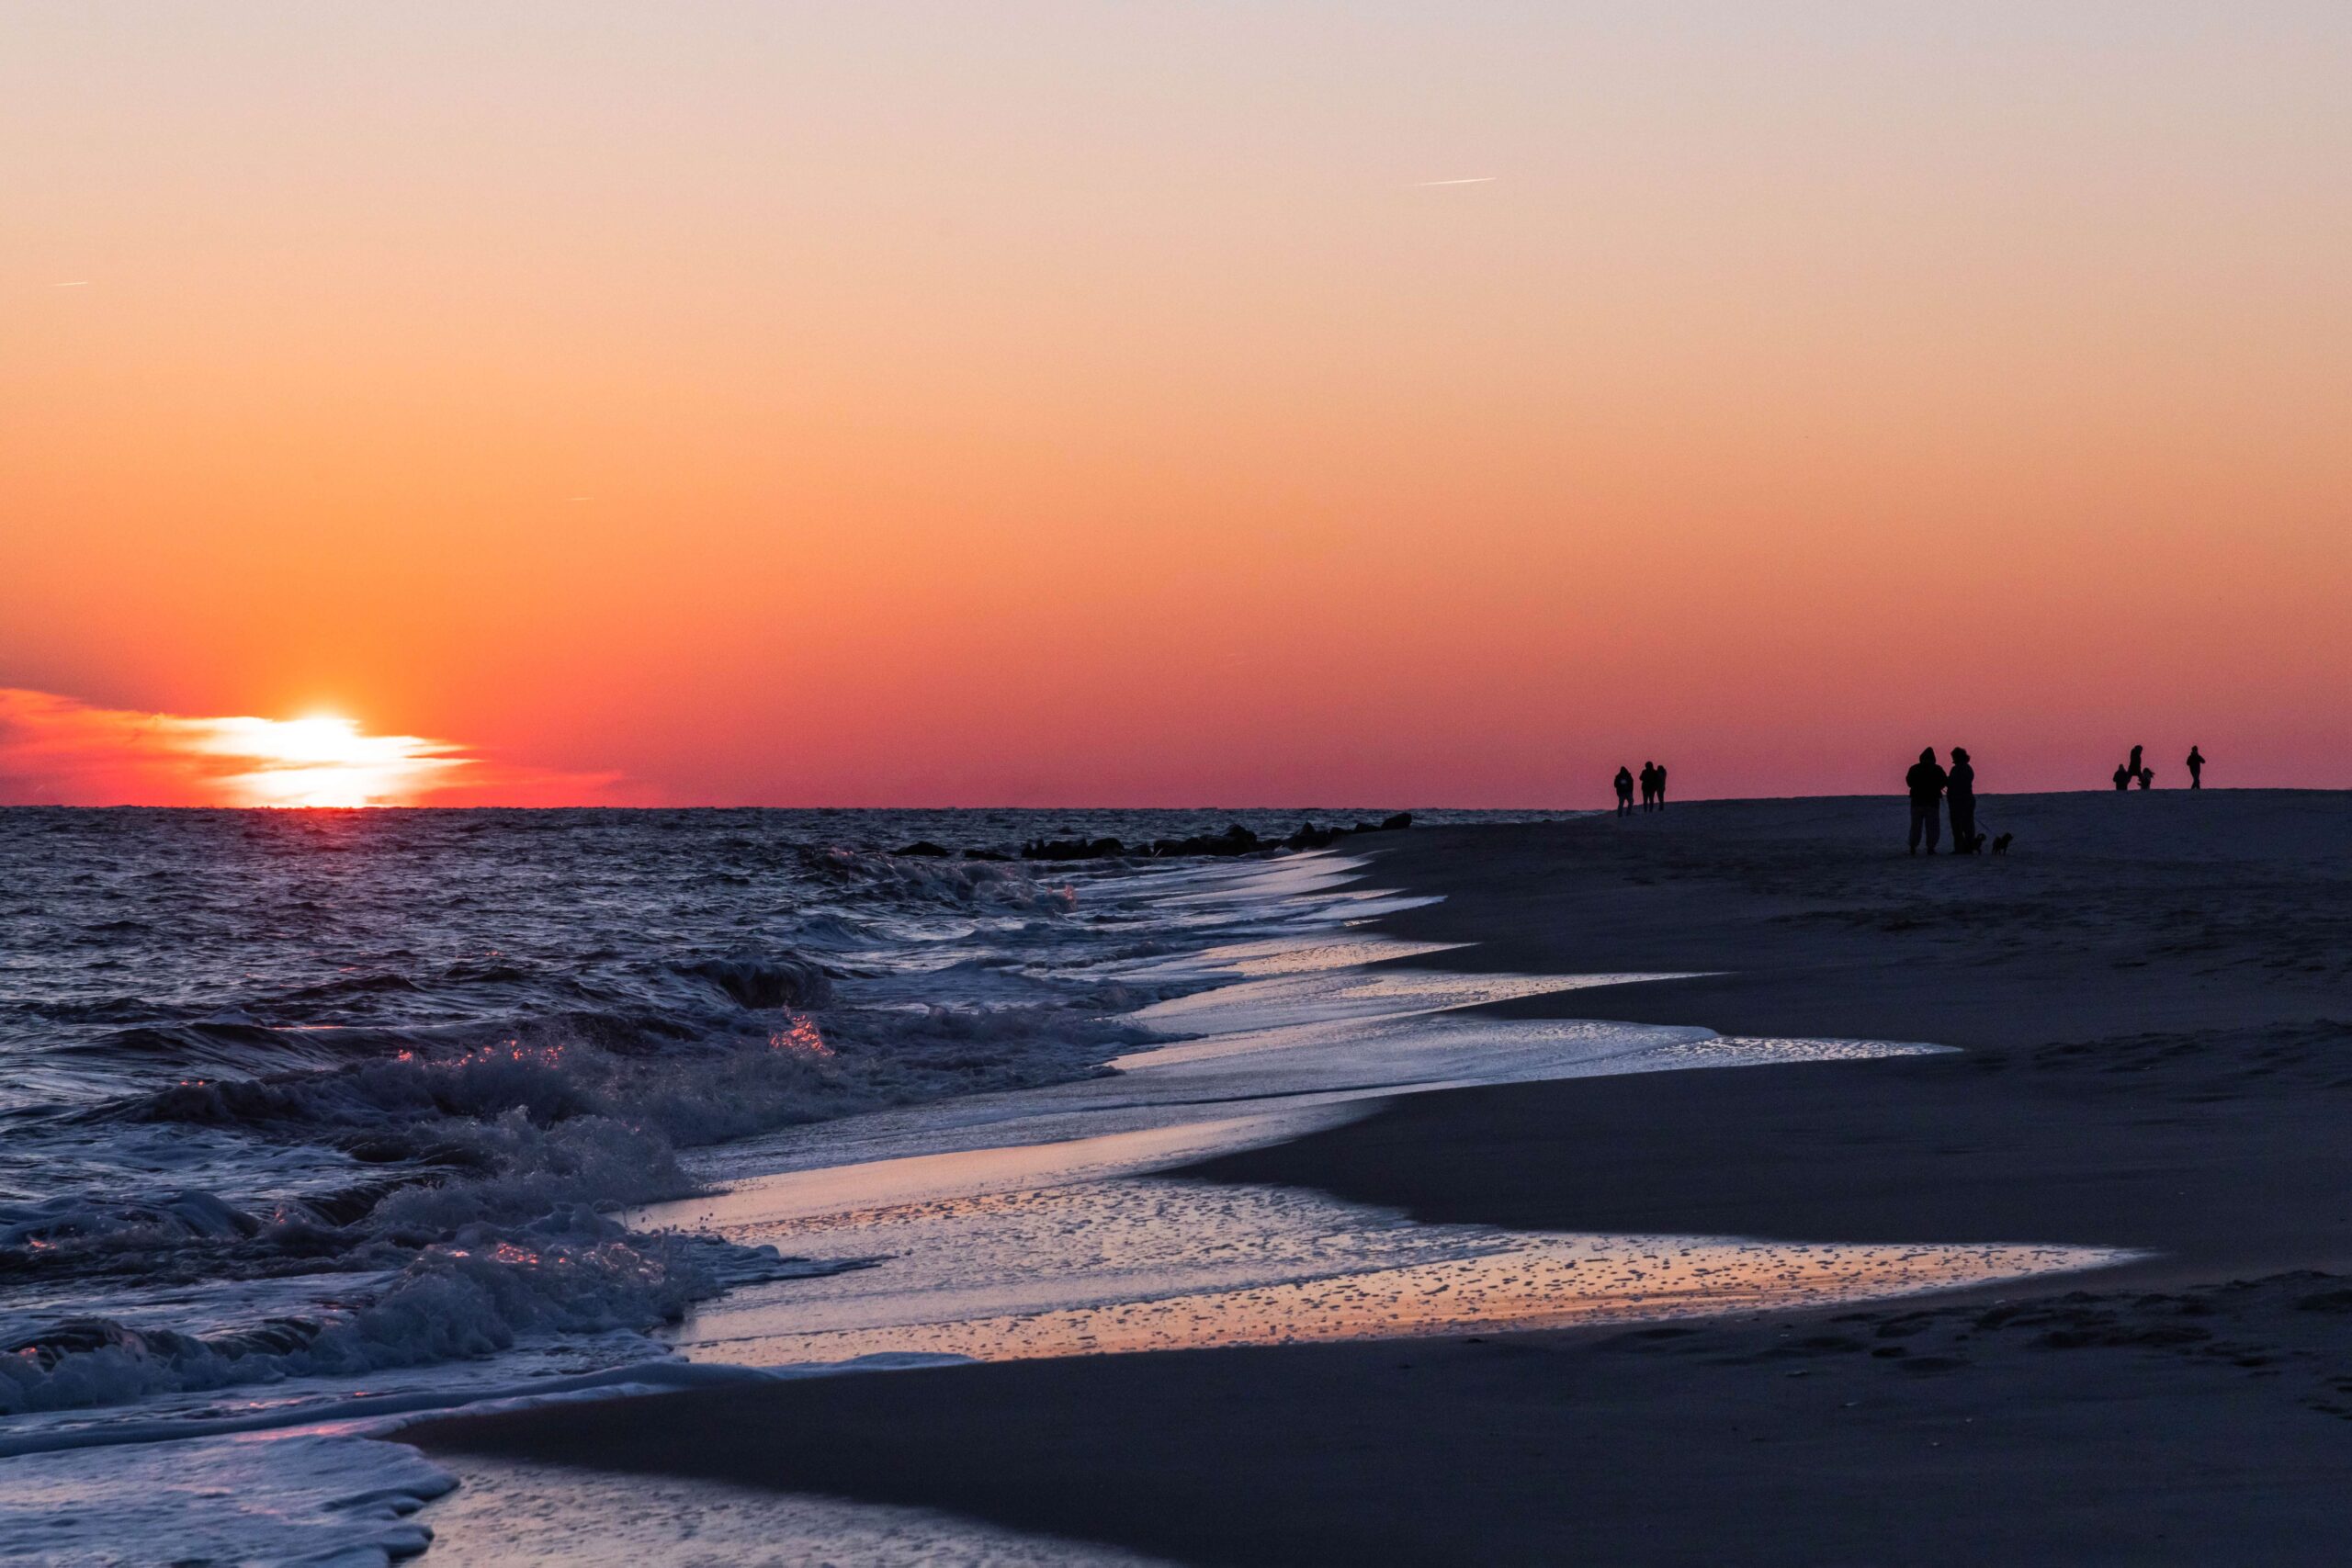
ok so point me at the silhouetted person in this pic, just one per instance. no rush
(2147, 777)
(1926, 780)
(2122, 776)
(1624, 792)
(1658, 778)
(1961, 790)
(2134, 763)
(2196, 769)
(1649, 786)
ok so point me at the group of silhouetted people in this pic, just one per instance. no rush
(1652, 789)
(2135, 771)
(1934, 789)
(1931, 786)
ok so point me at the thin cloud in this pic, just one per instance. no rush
(1470, 180)
(72, 283)
(57, 750)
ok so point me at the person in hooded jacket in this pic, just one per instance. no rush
(1926, 780)
(1959, 791)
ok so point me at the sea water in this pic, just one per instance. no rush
(315, 1119)
(299, 1107)
(289, 1094)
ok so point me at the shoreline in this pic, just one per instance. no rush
(2190, 1105)
(2156, 1035)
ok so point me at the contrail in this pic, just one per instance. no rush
(77, 283)
(1473, 180)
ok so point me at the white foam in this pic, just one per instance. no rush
(288, 1497)
(1034, 1224)
(1139, 1264)
(279, 1485)
(1075, 1248)
(508, 1514)
(1321, 995)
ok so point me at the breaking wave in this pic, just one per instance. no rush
(479, 1217)
(970, 883)
(304, 1096)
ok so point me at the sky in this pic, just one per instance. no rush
(1168, 404)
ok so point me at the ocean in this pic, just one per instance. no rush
(314, 1120)
(302, 1102)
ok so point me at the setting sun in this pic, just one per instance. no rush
(56, 750)
(323, 760)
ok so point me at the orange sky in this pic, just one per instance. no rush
(1056, 403)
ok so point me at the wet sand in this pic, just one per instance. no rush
(2154, 995)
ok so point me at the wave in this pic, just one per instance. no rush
(479, 1292)
(753, 980)
(498, 1165)
(219, 1044)
(932, 880)
(305, 1117)
(679, 1001)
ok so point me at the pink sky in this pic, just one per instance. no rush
(886, 403)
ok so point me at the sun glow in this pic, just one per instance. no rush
(56, 750)
(323, 760)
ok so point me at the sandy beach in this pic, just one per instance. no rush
(2152, 996)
